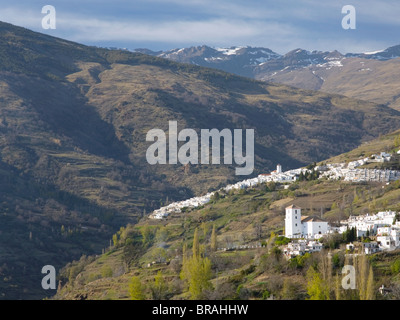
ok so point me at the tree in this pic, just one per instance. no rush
(147, 235)
(397, 141)
(214, 244)
(215, 197)
(136, 289)
(289, 291)
(370, 293)
(361, 265)
(204, 227)
(131, 252)
(196, 270)
(271, 186)
(395, 266)
(365, 278)
(257, 230)
(350, 235)
(199, 276)
(338, 295)
(196, 248)
(159, 289)
(159, 254)
(106, 271)
(162, 234)
(316, 286)
(115, 240)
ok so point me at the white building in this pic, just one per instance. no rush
(293, 227)
(314, 227)
(314, 246)
(369, 224)
(388, 237)
(297, 248)
(297, 226)
(371, 247)
(300, 247)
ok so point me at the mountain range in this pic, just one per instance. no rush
(368, 76)
(73, 124)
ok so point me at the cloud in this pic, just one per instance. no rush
(213, 30)
(279, 25)
(21, 17)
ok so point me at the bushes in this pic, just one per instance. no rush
(281, 241)
(395, 266)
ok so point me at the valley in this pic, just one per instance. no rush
(73, 124)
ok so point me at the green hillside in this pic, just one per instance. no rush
(73, 122)
(248, 217)
(241, 218)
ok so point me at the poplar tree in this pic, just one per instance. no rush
(196, 270)
(196, 247)
(136, 289)
(316, 286)
(214, 244)
(362, 272)
(159, 288)
(370, 294)
(337, 287)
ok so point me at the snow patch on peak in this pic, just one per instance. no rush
(373, 52)
(330, 64)
(229, 51)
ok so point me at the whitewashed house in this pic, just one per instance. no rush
(388, 237)
(385, 242)
(300, 247)
(295, 248)
(371, 247)
(314, 246)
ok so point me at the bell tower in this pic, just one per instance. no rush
(293, 228)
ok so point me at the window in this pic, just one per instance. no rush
(296, 224)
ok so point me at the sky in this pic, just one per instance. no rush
(280, 25)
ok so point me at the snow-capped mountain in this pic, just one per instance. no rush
(255, 62)
(238, 60)
(252, 61)
(381, 55)
(371, 76)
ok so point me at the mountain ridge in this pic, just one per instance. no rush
(314, 70)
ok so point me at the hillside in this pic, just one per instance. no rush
(359, 78)
(385, 143)
(73, 122)
(247, 217)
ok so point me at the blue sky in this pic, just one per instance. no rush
(281, 25)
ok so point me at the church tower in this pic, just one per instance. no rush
(293, 227)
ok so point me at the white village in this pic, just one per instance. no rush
(336, 171)
(305, 231)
